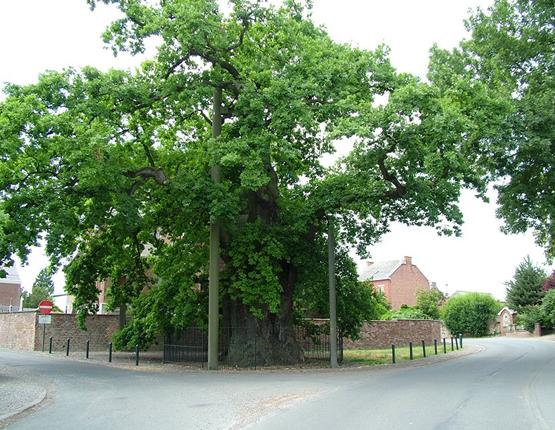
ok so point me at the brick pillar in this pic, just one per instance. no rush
(537, 330)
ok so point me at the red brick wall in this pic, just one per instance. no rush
(405, 282)
(10, 294)
(21, 330)
(381, 334)
(100, 329)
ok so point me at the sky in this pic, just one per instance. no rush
(38, 35)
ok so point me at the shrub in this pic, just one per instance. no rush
(529, 317)
(470, 313)
(547, 309)
(429, 301)
(406, 313)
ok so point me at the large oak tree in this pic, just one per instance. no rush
(112, 169)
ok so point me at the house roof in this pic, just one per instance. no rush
(12, 276)
(380, 270)
(506, 308)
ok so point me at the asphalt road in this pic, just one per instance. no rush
(508, 385)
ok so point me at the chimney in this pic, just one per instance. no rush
(369, 263)
(408, 261)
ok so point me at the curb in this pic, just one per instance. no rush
(19, 412)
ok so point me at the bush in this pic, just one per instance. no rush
(547, 309)
(406, 313)
(529, 317)
(470, 313)
(429, 301)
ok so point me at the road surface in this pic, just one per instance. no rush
(510, 384)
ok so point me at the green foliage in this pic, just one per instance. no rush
(112, 168)
(511, 50)
(470, 313)
(406, 313)
(43, 288)
(529, 317)
(356, 301)
(428, 302)
(548, 309)
(525, 289)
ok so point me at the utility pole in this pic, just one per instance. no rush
(333, 299)
(214, 263)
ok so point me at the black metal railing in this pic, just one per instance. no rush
(243, 346)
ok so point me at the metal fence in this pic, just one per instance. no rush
(243, 347)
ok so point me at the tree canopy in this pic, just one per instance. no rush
(512, 48)
(111, 168)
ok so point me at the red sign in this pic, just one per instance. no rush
(45, 307)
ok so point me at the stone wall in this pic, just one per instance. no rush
(381, 334)
(22, 331)
(100, 329)
(17, 330)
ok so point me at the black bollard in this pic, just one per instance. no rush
(87, 350)
(444, 346)
(67, 346)
(423, 349)
(110, 352)
(410, 351)
(435, 346)
(461, 337)
(456, 343)
(452, 344)
(50, 345)
(137, 355)
(393, 353)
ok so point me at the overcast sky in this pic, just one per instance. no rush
(36, 35)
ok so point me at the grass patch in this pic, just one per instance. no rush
(383, 356)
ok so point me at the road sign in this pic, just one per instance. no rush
(45, 307)
(45, 319)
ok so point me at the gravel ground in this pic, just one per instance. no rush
(17, 394)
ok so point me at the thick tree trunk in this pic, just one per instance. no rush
(251, 341)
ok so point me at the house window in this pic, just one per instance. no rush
(380, 288)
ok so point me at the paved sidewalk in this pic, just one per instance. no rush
(17, 394)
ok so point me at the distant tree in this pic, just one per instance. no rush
(525, 289)
(470, 313)
(549, 283)
(43, 288)
(428, 302)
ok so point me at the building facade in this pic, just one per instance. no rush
(398, 280)
(10, 291)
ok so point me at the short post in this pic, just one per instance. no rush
(110, 352)
(50, 345)
(461, 337)
(435, 346)
(393, 353)
(410, 350)
(444, 346)
(452, 344)
(43, 335)
(67, 346)
(457, 342)
(137, 355)
(87, 350)
(423, 349)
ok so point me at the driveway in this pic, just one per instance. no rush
(509, 384)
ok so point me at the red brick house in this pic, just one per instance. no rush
(10, 290)
(398, 280)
